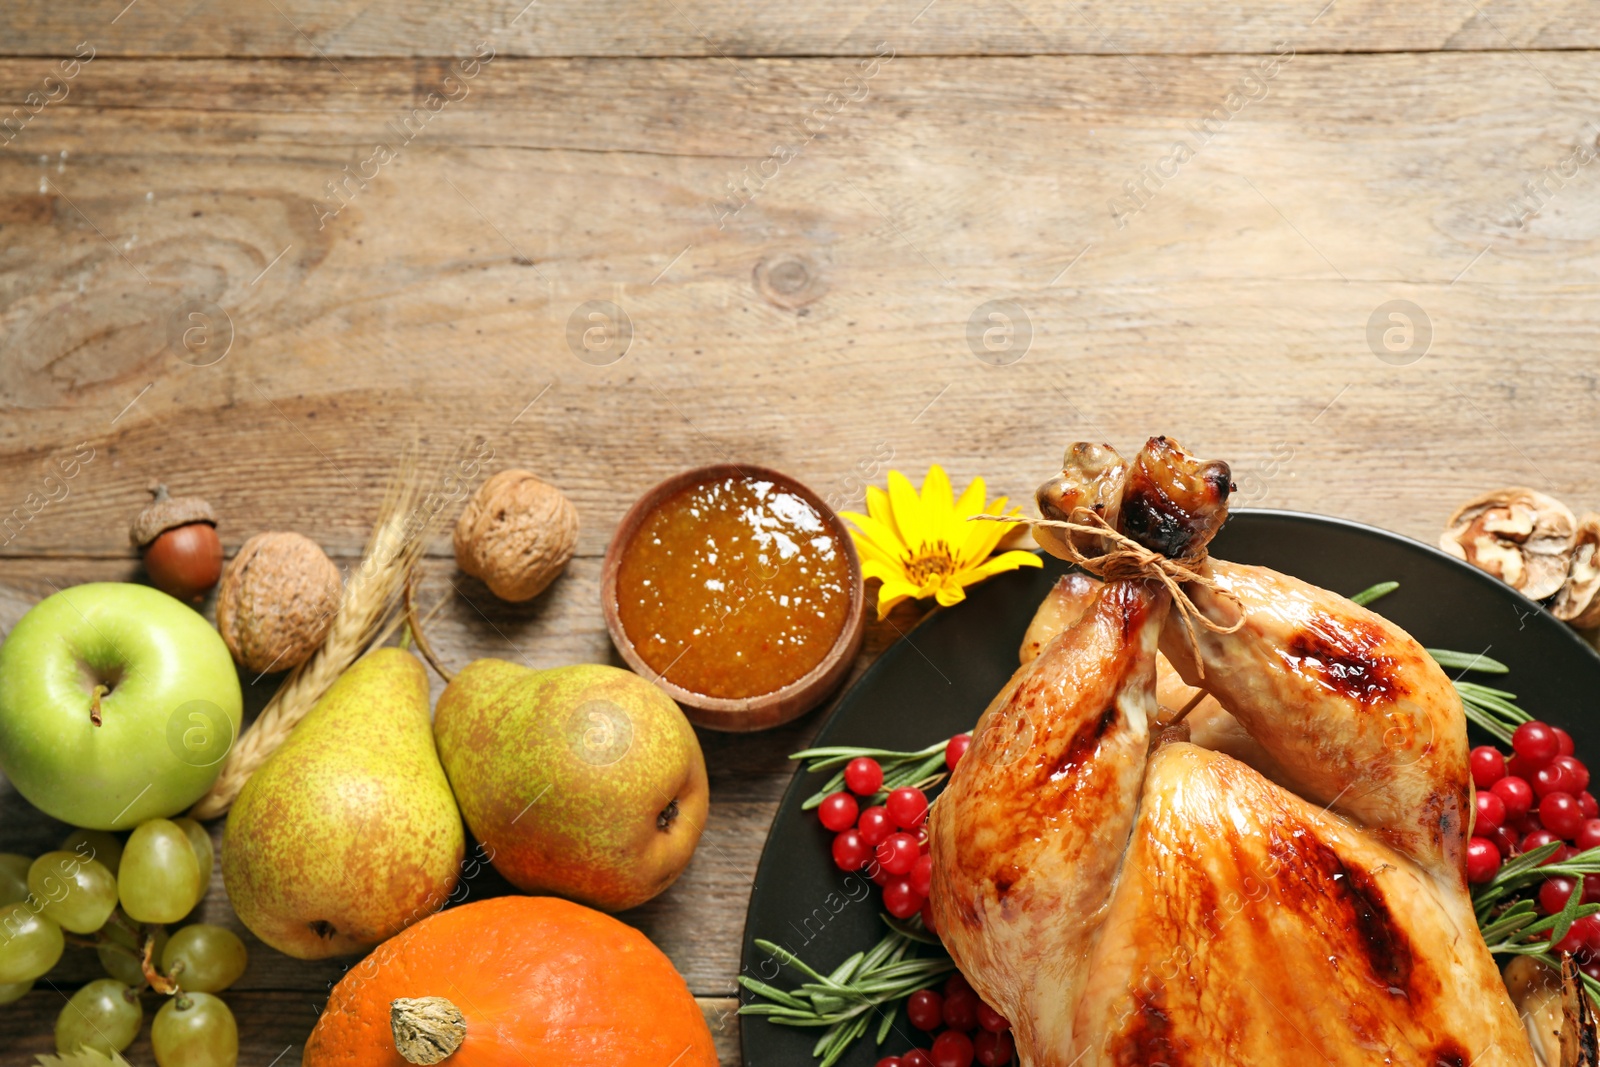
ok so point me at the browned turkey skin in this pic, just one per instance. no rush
(1123, 905)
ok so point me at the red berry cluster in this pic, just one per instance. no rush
(1538, 796)
(891, 839)
(966, 1029)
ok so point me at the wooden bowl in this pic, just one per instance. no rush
(744, 713)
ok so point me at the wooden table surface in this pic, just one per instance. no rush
(256, 250)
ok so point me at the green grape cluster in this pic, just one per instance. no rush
(118, 897)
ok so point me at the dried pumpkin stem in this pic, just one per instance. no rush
(427, 1030)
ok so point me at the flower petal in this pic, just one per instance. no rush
(971, 501)
(892, 592)
(937, 506)
(1005, 561)
(907, 508)
(949, 593)
(874, 539)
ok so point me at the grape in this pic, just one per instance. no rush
(203, 853)
(15, 991)
(204, 959)
(79, 894)
(195, 1030)
(13, 877)
(104, 1015)
(120, 965)
(95, 845)
(30, 944)
(160, 877)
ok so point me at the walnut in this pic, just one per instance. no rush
(277, 601)
(1520, 536)
(516, 535)
(1577, 602)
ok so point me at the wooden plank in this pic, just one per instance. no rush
(718, 28)
(1231, 310)
(273, 1026)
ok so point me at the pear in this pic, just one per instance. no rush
(586, 781)
(348, 834)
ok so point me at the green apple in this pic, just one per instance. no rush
(117, 705)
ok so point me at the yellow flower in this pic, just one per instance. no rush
(923, 546)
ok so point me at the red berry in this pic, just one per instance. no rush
(927, 919)
(1561, 815)
(1539, 839)
(1483, 860)
(880, 877)
(838, 811)
(990, 1019)
(897, 854)
(1589, 835)
(850, 853)
(863, 776)
(956, 981)
(952, 1049)
(1491, 814)
(961, 1009)
(1591, 809)
(1488, 766)
(874, 825)
(925, 1009)
(922, 875)
(1583, 934)
(890, 1061)
(1536, 742)
(1564, 746)
(1522, 767)
(900, 900)
(1588, 967)
(993, 1050)
(1561, 855)
(908, 807)
(1554, 892)
(1507, 840)
(955, 748)
(917, 1057)
(1516, 793)
(1579, 774)
(1552, 778)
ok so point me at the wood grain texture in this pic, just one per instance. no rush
(727, 28)
(803, 272)
(1231, 311)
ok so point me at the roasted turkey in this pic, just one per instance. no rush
(1280, 881)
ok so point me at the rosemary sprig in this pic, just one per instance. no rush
(1373, 592)
(845, 1000)
(923, 769)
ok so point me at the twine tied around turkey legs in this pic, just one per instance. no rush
(1127, 558)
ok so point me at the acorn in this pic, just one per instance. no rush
(177, 537)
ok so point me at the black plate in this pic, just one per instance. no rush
(937, 681)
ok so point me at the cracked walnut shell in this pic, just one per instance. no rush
(278, 599)
(1519, 535)
(1578, 602)
(516, 535)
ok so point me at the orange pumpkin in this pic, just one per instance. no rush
(511, 981)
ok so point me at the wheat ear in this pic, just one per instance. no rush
(371, 597)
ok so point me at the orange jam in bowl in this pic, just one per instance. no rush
(731, 585)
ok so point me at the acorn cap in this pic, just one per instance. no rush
(166, 513)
